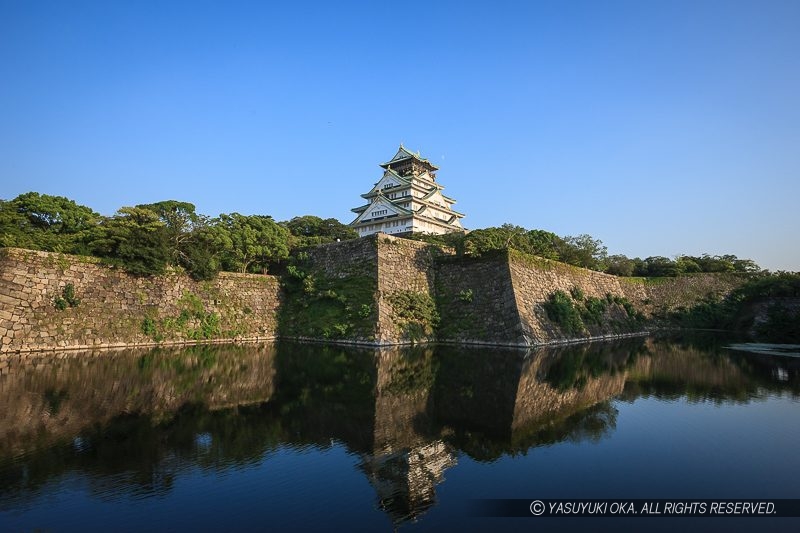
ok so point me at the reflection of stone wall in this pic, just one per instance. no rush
(539, 401)
(406, 413)
(689, 368)
(114, 305)
(47, 398)
(402, 397)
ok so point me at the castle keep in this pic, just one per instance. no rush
(407, 199)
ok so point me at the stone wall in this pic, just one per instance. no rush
(343, 259)
(377, 290)
(405, 269)
(117, 309)
(534, 279)
(476, 301)
(657, 296)
(330, 293)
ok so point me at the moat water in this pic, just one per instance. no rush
(312, 437)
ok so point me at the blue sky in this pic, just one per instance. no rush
(659, 127)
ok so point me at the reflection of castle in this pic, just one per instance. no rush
(407, 461)
(406, 480)
(482, 401)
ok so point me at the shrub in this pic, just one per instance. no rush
(593, 310)
(561, 310)
(67, 298)
(149, 327)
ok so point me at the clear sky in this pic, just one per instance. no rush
(659, 127)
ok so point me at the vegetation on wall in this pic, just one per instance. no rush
(193, 322)
(575, 314)
(461, 313)
(415, 313)
(326, 307)
(67, 298)
(736, 312)
(561, 309)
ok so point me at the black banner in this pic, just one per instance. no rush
(634, 508)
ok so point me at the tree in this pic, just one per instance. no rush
(583, 251)
(543, 243)
(309, 230)
(685, 264)
(534, 242)
(620, 265)
(135, 238)
(250, 241)
(658, 266)
(192, 245)
(179, 219)
(480, 241)
(44, 222)
(745, 265)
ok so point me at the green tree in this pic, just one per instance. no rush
(250, 242)
(192, 244)
(584, 251)
(480, 241)
(44, 222)
(685, 264)
(620, 265)
(309, 230)
(179, 219)
(658, 266)
(745, 265)
(453, 240)
(135, 238)
(534, 242)
(543, 243)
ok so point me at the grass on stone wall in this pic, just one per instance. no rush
(735, 312)
(574, 313)
(326, 307)
(67, 298)
(192, 321)
(415, 312)
(561, 310)
(781, 325)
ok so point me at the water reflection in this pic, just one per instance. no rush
(131, 423)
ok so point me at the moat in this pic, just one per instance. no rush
(318, 437)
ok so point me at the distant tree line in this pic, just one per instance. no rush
(146, 239)
(584, 251)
